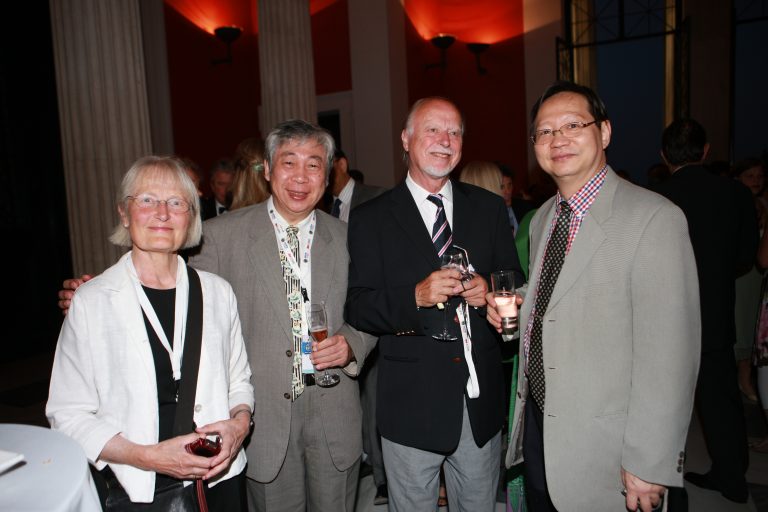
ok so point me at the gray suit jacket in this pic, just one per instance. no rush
(621, 345)
(241, 247)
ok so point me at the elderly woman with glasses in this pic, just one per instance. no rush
(118, 365)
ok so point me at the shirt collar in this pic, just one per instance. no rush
(346, 193)
(583, 199)
(281, 221)
(420, 194)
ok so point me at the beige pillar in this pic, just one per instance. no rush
(285, 63)
(584, 58)
(379, 87)
(103, 116)
(542, 22)
(710, 71)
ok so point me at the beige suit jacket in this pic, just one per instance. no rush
(621, 344)
(241, 247)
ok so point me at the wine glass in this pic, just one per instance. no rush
(503, 287)
(463, 263)
(318, 328)
(449, 260)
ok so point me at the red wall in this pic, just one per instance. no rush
(213, 107)
(330, 49)
(493, 104)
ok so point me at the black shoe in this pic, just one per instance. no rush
(382, 496)
(704, 481)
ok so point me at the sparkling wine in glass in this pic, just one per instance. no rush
(503, 286)
(318, 328)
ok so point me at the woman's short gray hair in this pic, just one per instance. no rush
(159, 166)
(299, 131)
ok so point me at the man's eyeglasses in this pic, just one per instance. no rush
(568, 130)
(174, 204)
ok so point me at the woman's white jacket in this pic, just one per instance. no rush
(103, 381)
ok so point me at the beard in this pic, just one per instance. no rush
(438, 172)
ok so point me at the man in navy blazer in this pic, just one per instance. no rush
(436, 402)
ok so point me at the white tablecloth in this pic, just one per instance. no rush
(54, 476)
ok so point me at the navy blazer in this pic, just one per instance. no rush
(421, 381)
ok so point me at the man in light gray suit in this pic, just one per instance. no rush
(306, 443)
(610, 327)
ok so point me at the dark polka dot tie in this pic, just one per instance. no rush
(553, 262)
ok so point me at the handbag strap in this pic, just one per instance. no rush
(190, 360)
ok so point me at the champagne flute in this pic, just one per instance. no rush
(503, 287)
(449, 260)
(318, 328)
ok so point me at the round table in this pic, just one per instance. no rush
(53, 477)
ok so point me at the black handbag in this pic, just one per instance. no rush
(173, 497)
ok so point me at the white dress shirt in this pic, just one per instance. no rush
(427, 208)
(304, 238)
(345, 196)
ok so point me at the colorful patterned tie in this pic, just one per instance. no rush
(295, 303)
(553, 262)
(441, 231)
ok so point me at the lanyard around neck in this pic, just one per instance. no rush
(180, 315)
(282, 240)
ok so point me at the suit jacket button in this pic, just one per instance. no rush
(456, 359)
(288, 353)
(287, 396)
(679, 469)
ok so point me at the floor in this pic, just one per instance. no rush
(24, 390)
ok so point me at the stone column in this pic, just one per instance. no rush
(286, 63)
(379, 87)
(710, 79)
(103, 116)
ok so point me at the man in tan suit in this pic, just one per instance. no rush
(306, 443)
(610, 327)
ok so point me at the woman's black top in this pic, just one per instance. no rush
(164, 304)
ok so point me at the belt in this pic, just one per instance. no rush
(309, 379)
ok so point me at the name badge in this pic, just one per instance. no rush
(306, 350)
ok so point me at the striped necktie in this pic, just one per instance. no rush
(441, 231)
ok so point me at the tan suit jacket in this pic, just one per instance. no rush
(241, 247)
(621, 344)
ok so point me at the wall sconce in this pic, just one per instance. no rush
(477, 49)
(443, 42)
(227, 35)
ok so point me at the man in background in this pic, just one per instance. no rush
(222, 176)
(723, 226)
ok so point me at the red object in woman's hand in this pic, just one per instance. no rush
(205, 446)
